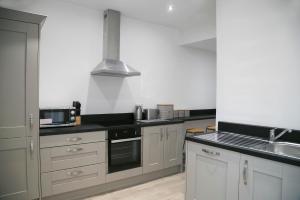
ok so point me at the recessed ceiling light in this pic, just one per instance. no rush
(170, 8)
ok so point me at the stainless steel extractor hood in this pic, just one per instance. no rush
(111, 64)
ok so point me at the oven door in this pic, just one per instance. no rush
(124, 154)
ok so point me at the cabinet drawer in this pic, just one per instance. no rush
(69, 139)
(72, 179)
(57, 158)
(152, 129)
(173, 128)
(213, 152)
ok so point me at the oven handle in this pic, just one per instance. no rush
(126, 140)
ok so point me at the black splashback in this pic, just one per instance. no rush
(129, 117)
(257, 131)
(108, 118)
(202, 112)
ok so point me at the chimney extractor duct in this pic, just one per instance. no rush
(111, 64)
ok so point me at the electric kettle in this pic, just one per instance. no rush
(138, 114)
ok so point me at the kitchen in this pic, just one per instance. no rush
(177, 77)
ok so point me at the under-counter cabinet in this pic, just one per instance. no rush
(291, 182)
(260, 179)
(173, 145)
(19, 134)
(162, 147)
(153, 147)
(214, 174)
(72, 161)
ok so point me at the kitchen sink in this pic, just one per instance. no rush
(283, 148)
(254, 143)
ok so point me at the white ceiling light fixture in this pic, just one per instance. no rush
(170, 8)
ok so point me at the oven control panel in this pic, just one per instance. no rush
(124, 133)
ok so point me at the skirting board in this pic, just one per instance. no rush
(109, 187)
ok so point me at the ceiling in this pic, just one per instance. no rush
(186, 13)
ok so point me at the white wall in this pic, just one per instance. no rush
(71, 46)
(258, 63)
(202, 26)
(198, 33)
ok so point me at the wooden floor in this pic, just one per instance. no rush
(168, 188)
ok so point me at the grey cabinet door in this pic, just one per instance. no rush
(211, 173)
(172, 147)
(13, 173)
(153, 146)
(19, 109)
(19, 168)
(18, 79)
(260, 179)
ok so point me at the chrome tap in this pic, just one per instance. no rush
(272, 137)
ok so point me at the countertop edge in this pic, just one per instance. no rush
(251, 152)
(146, 124)
(54, 131)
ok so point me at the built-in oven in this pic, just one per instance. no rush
(124, 148)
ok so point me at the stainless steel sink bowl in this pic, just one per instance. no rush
(254, 143)
(282, 148)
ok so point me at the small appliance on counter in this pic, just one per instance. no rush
(181, 113)
(166, 111)
(150, 114)
(77, 106)
(57, 117)
(187, 113)
(176, 114)
(138, 113)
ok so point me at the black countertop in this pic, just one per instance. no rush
(254, 131)
(71, 129)
(251, 152)
(158, 123)
(96, 127)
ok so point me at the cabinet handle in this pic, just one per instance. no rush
(161, 134)
(31, 147)
(74, 149)
(74, 139)
(212, 153)
(75, 173)
(245, 172)
(31, 121)
(167, 136)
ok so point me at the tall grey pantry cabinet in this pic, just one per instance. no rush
(19, 105)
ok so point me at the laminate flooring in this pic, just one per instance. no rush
(167, 188)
